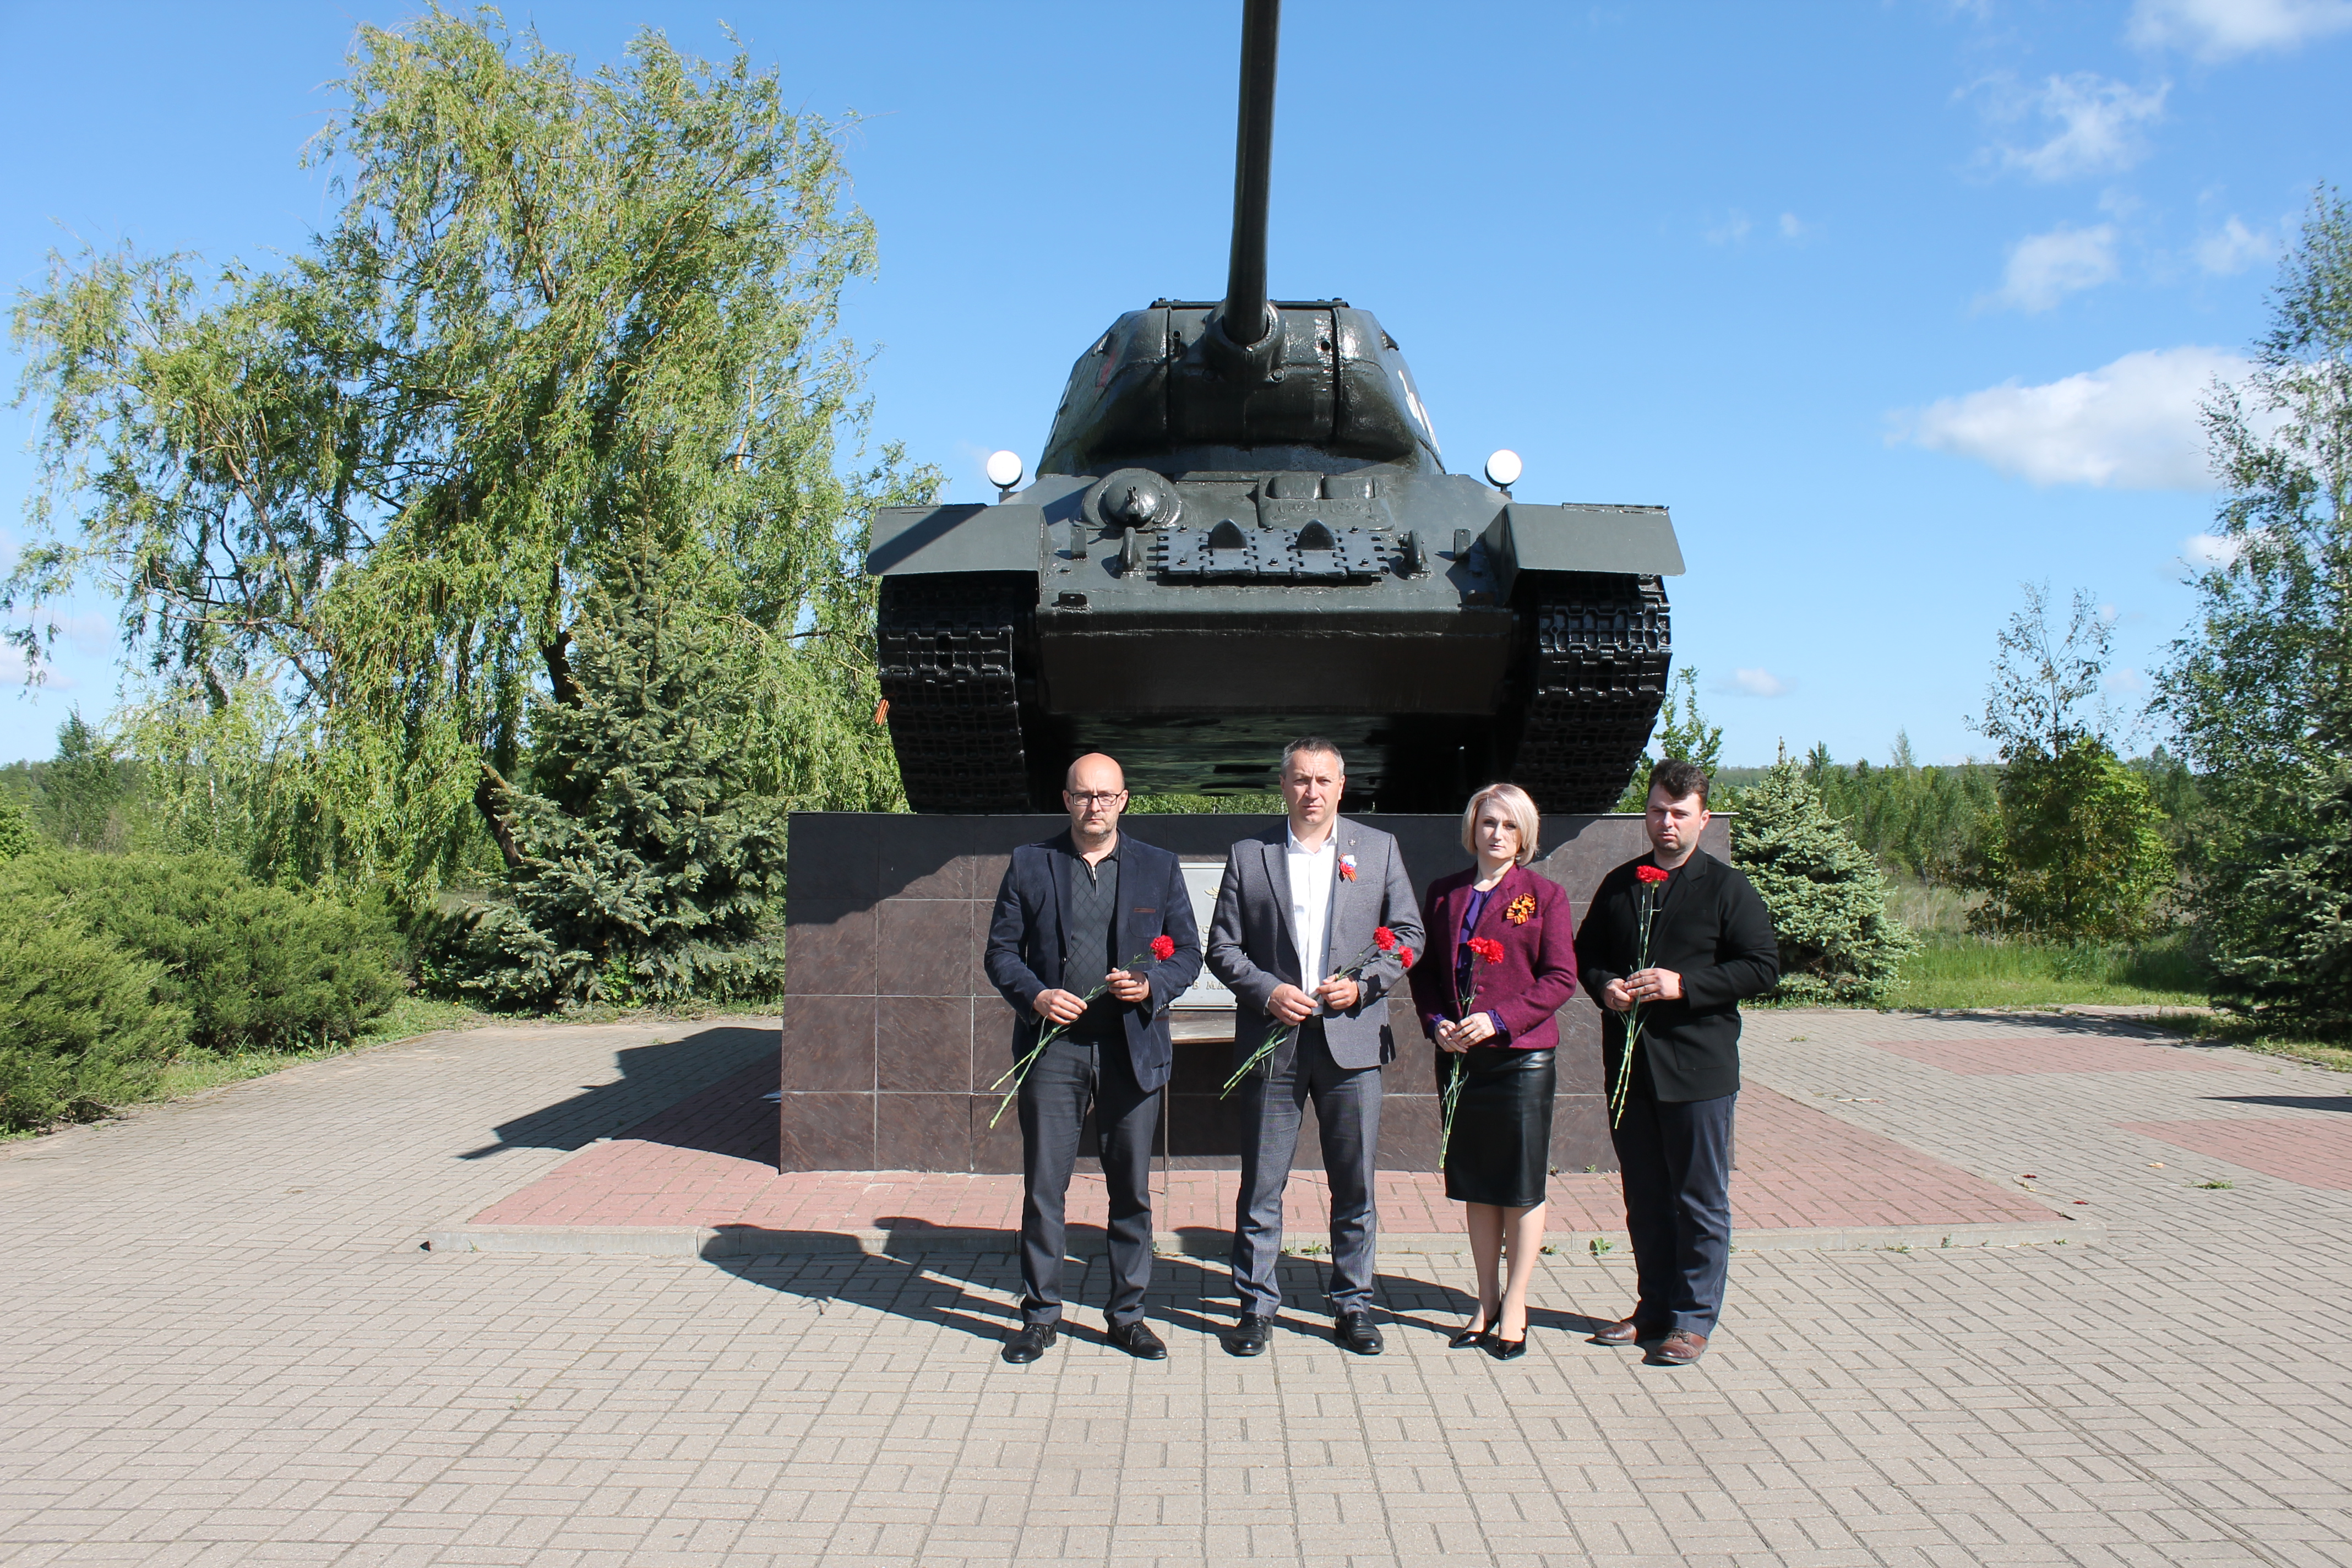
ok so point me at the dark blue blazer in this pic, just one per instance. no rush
(1024, 942)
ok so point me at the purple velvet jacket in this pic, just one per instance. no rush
(1538, 974)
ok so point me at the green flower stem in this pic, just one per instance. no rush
(1352, 970)
(1019, 1071)
(1632, 1019)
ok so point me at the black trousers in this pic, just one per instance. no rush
(1676, 1161)
(1071, 1076)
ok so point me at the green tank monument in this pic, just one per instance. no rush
(1241, 530)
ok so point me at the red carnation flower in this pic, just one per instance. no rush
(1384, 939)
(1652, 873)
(1163, 947)
(1486, 947)
(1406, 958)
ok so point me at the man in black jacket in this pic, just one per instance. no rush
(1708, 942)
(1073, 917)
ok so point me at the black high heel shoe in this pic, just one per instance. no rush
(1502, 1348)
(1468, 1337)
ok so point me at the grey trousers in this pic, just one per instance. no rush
(1071, 1076)
(1676, 1156)
(1347, 1112)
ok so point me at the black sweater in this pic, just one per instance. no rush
(1709, 927)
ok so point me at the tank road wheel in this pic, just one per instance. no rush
(944, 644)
(1596, 675)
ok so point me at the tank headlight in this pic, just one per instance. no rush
(1004, 469)
(1502, 468)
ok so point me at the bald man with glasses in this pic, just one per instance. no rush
(1072, 915)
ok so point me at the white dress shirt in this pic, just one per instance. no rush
(1311, 871)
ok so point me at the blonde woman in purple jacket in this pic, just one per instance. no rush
(1500, 1045)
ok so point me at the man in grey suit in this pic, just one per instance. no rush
(1298, 904)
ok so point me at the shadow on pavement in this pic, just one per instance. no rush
(656, 1094)
(2139, 1031)
(2292, 1101)
(975, 1289)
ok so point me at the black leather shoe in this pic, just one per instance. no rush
(1137, 1341)
(1033, 1341)
(1354, 1331)
(1250, 1335)
(1502, 1348)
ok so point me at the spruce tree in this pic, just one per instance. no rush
(644, 868)
(1826, 893)
(2281, 944)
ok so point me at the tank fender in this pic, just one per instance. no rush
(909, 541)
(1636, 540)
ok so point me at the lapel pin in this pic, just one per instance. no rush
(1346, 867)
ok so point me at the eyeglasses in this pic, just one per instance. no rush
(1093, 796)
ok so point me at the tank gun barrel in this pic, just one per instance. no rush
(1247, 318)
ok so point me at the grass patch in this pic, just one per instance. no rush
(409, 1016)
(1956, 971)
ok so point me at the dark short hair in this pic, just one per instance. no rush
(1679, 779)
(1316, 744)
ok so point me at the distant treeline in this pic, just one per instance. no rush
(1924, 821)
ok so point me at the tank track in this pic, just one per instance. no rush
(944, 647)
(1596, 675)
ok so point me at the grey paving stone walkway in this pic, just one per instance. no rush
(220, 1344)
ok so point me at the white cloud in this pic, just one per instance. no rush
(2126, 683)
(2232, 247)
(2207, 550)
(12, 672)
(2217, 29)
(1732, 230)
(1792, 227)
(2133, 424)
(2098, 123)
(1754, 683)
(2043, 268)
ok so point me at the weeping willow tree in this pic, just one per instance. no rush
(352, 507)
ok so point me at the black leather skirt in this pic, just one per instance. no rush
(1501, 1148)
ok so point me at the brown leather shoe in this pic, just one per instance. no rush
(1623, 1331)
(1680, 1348)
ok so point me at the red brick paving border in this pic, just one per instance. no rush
(2310, 1152)
(708, 1161)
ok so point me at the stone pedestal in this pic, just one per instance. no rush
(892, 1033)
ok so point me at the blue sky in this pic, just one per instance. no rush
(1895, 304)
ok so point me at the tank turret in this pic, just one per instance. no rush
(1242, 529)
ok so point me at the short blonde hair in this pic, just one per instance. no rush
(1516, 806)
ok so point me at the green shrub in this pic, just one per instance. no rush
(15, 830)
(254, 967)
(2077, 854)
(1826, 893)
(81, 1026)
